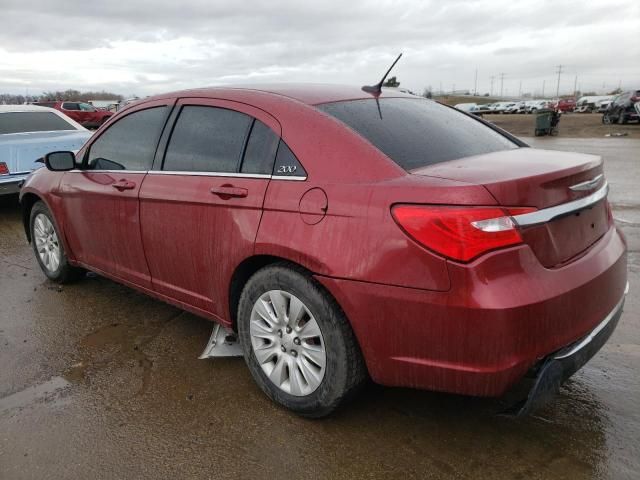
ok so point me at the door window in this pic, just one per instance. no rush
(207, 139)
(261, 150)
(129, 143)
(86, 107)
(70, 106)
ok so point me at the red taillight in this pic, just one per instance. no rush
(4, 170)
(460, 233)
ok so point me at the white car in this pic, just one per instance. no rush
(536, 105)
(499, 107)
(27, 133)
(511, 108)
(466, 107)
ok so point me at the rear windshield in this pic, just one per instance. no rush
(416, 133)
(21, 122)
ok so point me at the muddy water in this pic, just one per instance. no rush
(98, 381)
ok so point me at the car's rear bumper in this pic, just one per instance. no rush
(503, 315)
(10, 184)
(559, 366)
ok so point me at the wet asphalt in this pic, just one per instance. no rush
(98, 381)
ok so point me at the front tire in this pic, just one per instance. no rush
(297, 342)
(48, 247)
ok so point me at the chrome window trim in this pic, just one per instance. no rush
(209, 174)
(586, 340)
(198, 174)
(77, 170)
(286, 177)
(548, 214)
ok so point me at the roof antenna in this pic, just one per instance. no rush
(377, 89)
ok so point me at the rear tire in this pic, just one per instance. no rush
(48, 248)
(309, 375)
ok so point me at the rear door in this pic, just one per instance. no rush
(200, 210)
(100, 200)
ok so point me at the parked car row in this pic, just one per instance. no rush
(530, 106)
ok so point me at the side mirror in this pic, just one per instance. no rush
(60, 161)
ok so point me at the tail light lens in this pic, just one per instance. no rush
(460, 233)
(4, 170)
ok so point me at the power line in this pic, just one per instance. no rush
(475, 83)
(501, 83)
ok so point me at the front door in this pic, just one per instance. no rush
(200, 213)
(100, 200)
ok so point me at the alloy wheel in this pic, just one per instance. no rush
(47, 243)
(287, 343)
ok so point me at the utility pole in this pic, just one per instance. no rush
(575, 86)
(558, 86)
(475, 83)
(543, 88)
(492, 77)
(520, 89)
(501, 84)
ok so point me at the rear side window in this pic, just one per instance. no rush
(261, 150)
(207, 139)
(129, 143)
(287, 164)
(22, 122)
(70, 106)
(416, 133)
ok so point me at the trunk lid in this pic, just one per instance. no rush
(21, 150)
(527, 177)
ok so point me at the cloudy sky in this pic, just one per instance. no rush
(151, 46)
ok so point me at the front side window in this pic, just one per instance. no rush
(70, 106)
(415, 133)
(129, 143)
(207, 139)
(23, 122)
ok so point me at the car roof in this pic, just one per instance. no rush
(309, 93)
(25, 108)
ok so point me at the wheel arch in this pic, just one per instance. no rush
(244, 271)
(27, 201)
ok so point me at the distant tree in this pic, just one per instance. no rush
(427, 93)
(589, 94)
(79, 96)
(615, 92)
(11, 99)
(486, 95)
(391, 82)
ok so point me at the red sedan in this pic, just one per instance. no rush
(344, 235)
(84, 113)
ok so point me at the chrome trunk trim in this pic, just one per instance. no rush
(548, 214)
